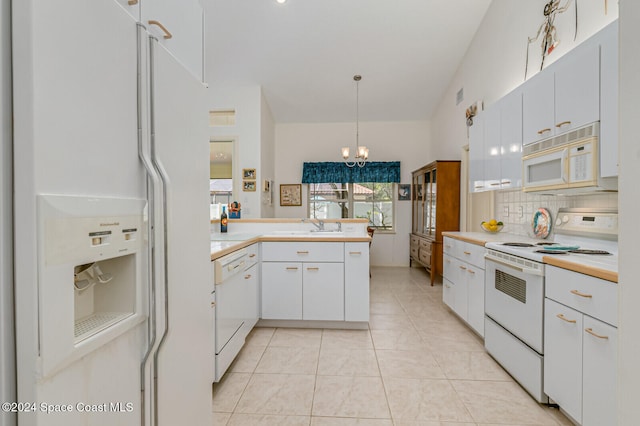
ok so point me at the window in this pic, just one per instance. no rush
(372, 201)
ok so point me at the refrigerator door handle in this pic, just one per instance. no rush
(164, 186)
(155, 192)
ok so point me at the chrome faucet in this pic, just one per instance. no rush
(319, 224)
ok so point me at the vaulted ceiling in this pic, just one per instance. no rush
(304, 54)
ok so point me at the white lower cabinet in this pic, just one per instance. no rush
(448, 293)
(563, 357)
(323, 291)
(580, 350)
(475, 299)
(252, 294)
(323, 281)
(463, 282)
(281, 290)
(599, 361)
(356, 281)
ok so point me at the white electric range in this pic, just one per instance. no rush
(514, 287)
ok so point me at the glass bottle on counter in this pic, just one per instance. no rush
(223, 220)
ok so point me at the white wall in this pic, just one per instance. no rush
(629, 292)
(267, 157)
(495, 62)
(247, 134)
(407, 142)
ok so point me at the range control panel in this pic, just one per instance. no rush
(602, 223)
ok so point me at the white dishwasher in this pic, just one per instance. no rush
(229, 301)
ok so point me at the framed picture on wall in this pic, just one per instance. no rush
(248, 185)
(404, 191)
(291, 194)
(249, 174)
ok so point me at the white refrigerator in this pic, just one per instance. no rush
(113, 320)
(7, 337)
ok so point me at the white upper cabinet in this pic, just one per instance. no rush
(567, 95)
(495, 145)
(538, 107)
(492, 147)
(609, 101)
(564, 96)
(511, 140)
(179, 27)
(476, 154)
(577, 88)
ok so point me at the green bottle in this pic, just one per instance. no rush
(223, 220)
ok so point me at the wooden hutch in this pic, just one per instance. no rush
(435, 208)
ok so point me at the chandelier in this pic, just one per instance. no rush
(362, 153)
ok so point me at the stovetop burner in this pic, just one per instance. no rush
(517, 244)
(585, 251)
(547, 251)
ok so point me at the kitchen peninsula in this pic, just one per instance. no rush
(287, 273)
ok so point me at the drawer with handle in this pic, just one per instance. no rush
(467, 252)
(302, 252)
(593, 296)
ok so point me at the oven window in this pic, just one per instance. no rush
(511, 286)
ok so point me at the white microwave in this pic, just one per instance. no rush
(565, 163)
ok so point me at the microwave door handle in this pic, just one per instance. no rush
(564, 164)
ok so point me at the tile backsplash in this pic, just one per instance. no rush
(515, 208)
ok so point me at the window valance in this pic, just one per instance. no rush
(338, 172)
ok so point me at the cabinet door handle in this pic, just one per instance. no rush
(563, 318)
(577, 293)
(167, 34)
(246, 277)
(540, 132)
(355, 252)
(292, 268)
(313, 268)
(132, 2)
(302, 252)
(562, 124)
(593, 333)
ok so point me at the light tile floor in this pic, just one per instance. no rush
(417, 365)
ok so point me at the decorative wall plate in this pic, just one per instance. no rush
(541, 223)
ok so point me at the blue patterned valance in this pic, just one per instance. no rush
(338, 172)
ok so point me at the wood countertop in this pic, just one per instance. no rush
(222, 248)
(586, 269)
(481, 238)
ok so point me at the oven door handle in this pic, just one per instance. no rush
(512, 266)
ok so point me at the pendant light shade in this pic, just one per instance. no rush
(361, 153)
